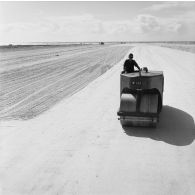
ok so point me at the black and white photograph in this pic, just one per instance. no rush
(97, 97)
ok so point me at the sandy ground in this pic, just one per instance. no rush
(32, 81)
(183, 47)
(79, 146)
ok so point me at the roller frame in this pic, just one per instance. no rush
(137, 118)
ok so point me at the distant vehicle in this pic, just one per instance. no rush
(141, 98)
(101, 43)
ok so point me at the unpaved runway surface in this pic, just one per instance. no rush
(34, 80)
(79, 146)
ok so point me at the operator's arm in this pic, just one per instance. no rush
(137, 65)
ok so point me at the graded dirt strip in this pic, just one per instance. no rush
(79, 146)
(30, 90)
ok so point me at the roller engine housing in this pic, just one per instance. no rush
(141, 98)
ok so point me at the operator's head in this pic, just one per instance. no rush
(130, 56)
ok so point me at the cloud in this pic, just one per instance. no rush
(77, 24)
(151, 24)
(28, 27)
(171, 5)
(148, 23)
(89, 28)
(176, 17)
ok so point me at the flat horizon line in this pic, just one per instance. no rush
(42, 43)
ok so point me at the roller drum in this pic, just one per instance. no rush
(128, 103)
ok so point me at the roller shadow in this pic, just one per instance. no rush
(176, 127)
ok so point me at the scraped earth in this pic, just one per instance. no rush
(32, 81)
(79, 146)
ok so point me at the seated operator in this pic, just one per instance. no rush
(129, 65)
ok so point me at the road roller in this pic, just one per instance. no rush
(141, 98)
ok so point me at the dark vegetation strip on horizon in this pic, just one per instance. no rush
(89, 42)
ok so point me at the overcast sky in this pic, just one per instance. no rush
(96, 21)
